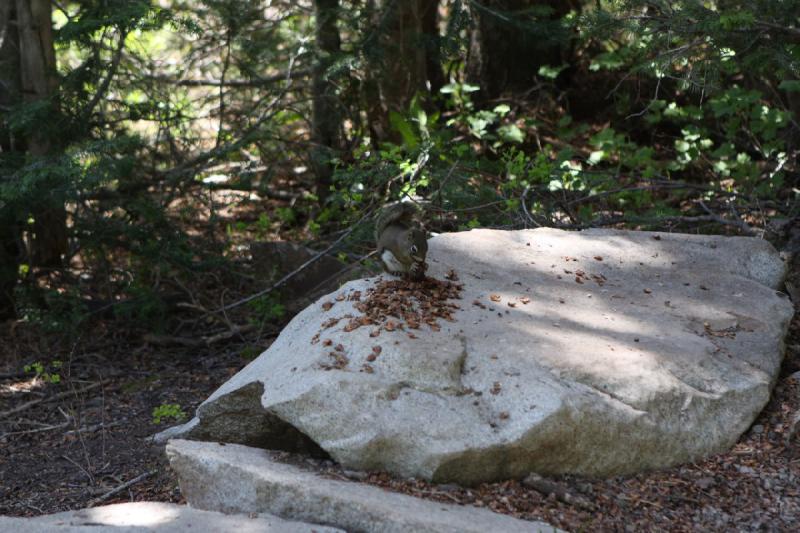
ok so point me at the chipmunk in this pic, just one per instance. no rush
(401, 240)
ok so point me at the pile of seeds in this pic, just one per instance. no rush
(401, 303)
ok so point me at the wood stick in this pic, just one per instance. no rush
(120, 488)
(28, 405)
(166, 340)
(547, 487)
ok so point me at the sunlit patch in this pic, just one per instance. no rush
(143, 514)
(27, 385)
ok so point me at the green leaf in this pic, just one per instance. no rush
(502, 109)
(792, 86)
(551, 73)
(511, 133)
(404, 128)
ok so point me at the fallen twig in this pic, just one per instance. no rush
(547, 487)
(82, 469)
(742, 225)
(120, 488)
(32, 403)
(37, 430)
(95, 427)
(167, 340)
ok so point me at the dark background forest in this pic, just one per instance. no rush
(152, 151)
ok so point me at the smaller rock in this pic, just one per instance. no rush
(240, 479)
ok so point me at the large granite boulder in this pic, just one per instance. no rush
(596, 353)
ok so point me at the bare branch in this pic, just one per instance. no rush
(296, 271)
(60, 395)
(120, 488)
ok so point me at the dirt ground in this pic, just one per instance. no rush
(84, 441)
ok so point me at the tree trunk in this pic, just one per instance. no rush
(433, 59)
(326, 117)
(402, 54)
(9, 73)
(9, 92)
(39, 81)
(506, 52)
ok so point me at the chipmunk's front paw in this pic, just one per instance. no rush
(417, 271)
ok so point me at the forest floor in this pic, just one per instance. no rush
(72, 444)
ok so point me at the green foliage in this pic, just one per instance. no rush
(266, 309)
(144, 306)
(250, 352)
(167, 411)
(698, 44)
(56, 312)
(50, 373)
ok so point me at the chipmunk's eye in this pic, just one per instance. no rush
(413, 248)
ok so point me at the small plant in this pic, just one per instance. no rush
(267, 308)
(250, 352)
(49, 374)
(166, 411)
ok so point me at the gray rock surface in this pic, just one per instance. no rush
(635, 351)
(253, 480)
(155, 517)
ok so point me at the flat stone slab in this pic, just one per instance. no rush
(252, 480)
(595, 353)
(155, 517)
